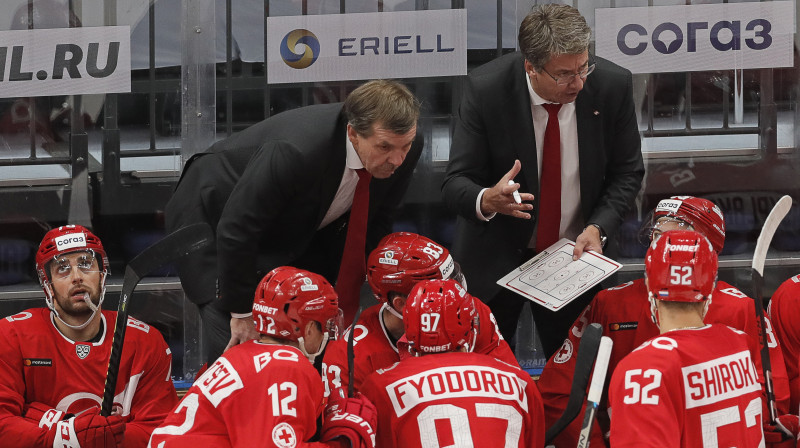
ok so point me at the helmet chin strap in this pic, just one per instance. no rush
(654, 311)
(471, 345)
(392, 311)
(705, 307)
(86, 298)
(311, 356)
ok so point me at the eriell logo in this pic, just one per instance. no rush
(375, 45)
(303, 40)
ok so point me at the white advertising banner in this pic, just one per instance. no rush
(687, 38)
(335, 47)
(65, 61)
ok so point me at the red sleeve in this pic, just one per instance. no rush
(334, 365)
(555, 384)
(785, 315)
(15, 430)
(751, 326)
(155, 394)
(536, 416)
(780, 378)
(371, 388)
(490, 341)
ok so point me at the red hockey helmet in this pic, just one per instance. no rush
(703, 215)
(403, 259)
(681, 266)
(63, 240)
(287, 299)
(440, 316)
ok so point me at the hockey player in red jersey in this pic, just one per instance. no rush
(53, 361)
(784, 312)
(695, 385)
(265, 392)
(400, 261)
(624, 314)
(445, 395)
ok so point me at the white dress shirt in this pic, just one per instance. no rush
(347, 188)
(571, 220)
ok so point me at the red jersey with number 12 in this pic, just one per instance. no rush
(254, 395)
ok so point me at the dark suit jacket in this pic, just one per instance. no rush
(269, 187)
(494, 126)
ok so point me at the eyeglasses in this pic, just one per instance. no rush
(563, 80)
(63, 266)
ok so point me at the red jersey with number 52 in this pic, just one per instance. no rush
(254, 395)
(456, 400)
(687, 388)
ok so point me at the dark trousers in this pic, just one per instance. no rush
(551, 326)
(216, 330)
(322, 257)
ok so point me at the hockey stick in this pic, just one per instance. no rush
(595, 390)
(587, 351)
(178, 243)
(351, 355)
(779, 211)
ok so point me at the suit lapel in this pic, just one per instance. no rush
(590, 121)
(520, 130)
(332, 176)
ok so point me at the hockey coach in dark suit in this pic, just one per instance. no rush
(280, 192)
(504, 132)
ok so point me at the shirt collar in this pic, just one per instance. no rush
(353, 161)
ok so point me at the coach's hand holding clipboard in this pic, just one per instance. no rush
(552, 279)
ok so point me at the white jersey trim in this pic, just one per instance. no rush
(94, 344)
(385, 330)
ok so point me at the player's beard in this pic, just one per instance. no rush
(75, 307)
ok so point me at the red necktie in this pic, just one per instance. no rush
(550, 183)
(353, 269)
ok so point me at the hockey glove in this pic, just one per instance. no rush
(88, 430)
(353, 418)
(784, 433)
(43, 415)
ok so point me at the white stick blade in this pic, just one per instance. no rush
(600, 369)
(779, 211)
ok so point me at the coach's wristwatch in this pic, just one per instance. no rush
(603, 237)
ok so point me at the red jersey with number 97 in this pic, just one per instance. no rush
(254, 395)
(687, 388)
(374, 349)
(460, 400)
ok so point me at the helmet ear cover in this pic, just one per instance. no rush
(440, 316)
